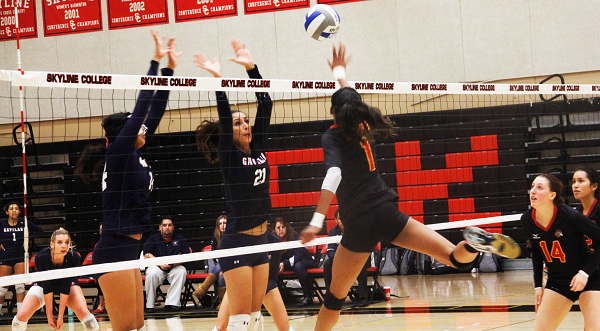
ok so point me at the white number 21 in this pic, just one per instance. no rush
(261, 176)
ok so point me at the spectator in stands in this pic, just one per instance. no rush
(557, 236)
(165, 243)
(363, 288)
(299, 259)
(215, 274)
(12, 252)
(101, 308)
(59, 255)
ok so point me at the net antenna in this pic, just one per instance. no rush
(21, 106)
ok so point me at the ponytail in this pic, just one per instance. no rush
(207, 139)
(90, 166)
(356, 118)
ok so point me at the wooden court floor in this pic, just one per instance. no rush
(496, 301)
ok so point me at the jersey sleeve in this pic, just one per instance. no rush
(263, 111)
(149, 246)
(587, 227)
(158, 105)
(225, 122)
(34, 229)
(185, 247)
(128, 135)
(332, 154)
(536, 255)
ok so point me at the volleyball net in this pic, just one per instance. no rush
(461, 157)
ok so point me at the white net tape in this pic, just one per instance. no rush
(142, 263)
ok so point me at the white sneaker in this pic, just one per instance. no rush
(492, 242)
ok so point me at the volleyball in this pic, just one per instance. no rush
(321, 22)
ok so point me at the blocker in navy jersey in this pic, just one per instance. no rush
(246, 177)
(561, 246)
(127, 179)
(12, 238)
(43, 262)
(594, 216)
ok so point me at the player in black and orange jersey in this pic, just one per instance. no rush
(368, 207)
(557, 236)
(585, 189)
(240, 150)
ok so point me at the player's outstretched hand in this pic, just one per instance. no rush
(243, 55)
(159, 41)
(339, 57)
(214, 67)
(173, 54)
(309, 233)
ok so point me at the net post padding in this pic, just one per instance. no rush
(142, 263)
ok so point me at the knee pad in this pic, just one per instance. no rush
(462, 266)
(18, 325)
(38, 292)
(89, 323)
(255, 318)
(239, 322)
(333, 303)
(3, 291)
(20, 288)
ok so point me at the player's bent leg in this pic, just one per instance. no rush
(77, 302)
(346, 267)
(33, 301)
(552, 311)
(589, 303)
(276, 308)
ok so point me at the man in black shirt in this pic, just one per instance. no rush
(162, 244)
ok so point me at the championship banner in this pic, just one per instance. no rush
(262, 6)
(132, 13)
(27, 20)
(186, 10)
(333, 2)
(75, 16)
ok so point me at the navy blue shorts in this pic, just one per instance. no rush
(12, 258)
(272, 284)
(593, 284)
(115, 248)
(234, 240)
(381, 223)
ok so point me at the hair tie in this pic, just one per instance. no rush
(106, 141)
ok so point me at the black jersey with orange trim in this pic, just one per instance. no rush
(561, 245)
(361, 187)
(594, 216)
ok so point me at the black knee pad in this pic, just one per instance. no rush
(462, 266)
(332, 303)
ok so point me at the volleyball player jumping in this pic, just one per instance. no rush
(127, 181)
(368, 207)
(241, 153)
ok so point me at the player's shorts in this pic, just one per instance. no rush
(115, 248)
(593, 284)
(10, 259)
(271, 284)
(234, 240)
(381, 223)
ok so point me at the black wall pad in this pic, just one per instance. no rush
(460, 190)
(433, 162)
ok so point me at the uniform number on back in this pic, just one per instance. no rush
(556, 252)
(261, 176)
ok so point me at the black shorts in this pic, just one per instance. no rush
(381, 223)
(115, 248)
(234, 240)
(271, 284)
(11, 259)
(593, 284)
